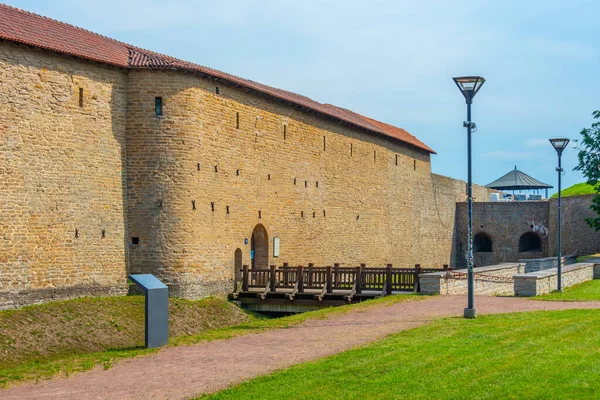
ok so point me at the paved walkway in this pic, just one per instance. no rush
(188, 371)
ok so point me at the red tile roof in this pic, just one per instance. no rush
(24, 27)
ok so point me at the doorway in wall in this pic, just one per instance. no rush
(237, 265)
(259, 247)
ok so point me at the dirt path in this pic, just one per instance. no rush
(188, 371)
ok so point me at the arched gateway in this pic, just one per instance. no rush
(259, 250)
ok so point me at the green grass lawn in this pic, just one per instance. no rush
(64, 337)
(576, 190)
(540, 355)
(586, 291)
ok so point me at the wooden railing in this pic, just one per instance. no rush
(327, 279)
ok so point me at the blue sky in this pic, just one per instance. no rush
(393, 61)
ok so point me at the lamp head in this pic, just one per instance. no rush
(559, 144)
(469, 86)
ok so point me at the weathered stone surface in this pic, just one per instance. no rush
(77, 183)
(542, 282)
(62, 171)
(444, 283)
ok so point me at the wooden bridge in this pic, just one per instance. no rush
(298, 289)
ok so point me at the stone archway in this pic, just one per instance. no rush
(530, 242)
(259, 248)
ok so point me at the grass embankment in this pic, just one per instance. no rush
(64, 337)
(576, 190)
(586, 291)
(523, 355)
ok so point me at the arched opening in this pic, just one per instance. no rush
(482, 243)
(237, 265)
(530, 243)
(259, 248)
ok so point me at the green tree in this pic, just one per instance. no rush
(589, 164)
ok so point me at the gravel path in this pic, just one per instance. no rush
(188, 371)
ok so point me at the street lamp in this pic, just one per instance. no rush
(559, 145)
(469, 86)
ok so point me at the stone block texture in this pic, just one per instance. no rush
(94, 185)
(62, 175)
(542, 282)
(484, 283)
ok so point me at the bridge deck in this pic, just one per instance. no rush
(296, 289)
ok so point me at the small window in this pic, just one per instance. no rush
(80, 97)
(158, 106)
(396, 159)
(284, 132)
(135, 240)
(351, 149)
(324, 143)
(237, 120)
(374, 155)
(217, 90)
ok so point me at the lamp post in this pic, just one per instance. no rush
(469, 86)
(559, 145)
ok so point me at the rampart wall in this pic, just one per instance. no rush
(62, 176)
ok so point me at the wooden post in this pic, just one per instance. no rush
(329, 279)
(272, 279)
(286, 275)
(358, 280)
(388, 279)
(310, 274)
(245, 277)
(445, 267)
(300, 278)
(336, 274)
(418, 271)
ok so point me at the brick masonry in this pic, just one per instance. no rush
(80, 180)
(505, 222)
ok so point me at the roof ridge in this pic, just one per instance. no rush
(64, 23)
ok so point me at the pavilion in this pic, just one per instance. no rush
(517, 181)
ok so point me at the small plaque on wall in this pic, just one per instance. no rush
(276, 247)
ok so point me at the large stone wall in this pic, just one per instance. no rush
(80, 182)
(329, 192)
(504, 223)
(62, 171)
(577, 236)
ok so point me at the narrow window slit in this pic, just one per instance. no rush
(158, 106)
(80, 97)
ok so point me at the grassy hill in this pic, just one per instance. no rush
(576, 190)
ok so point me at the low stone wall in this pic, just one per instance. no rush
(16, 299)
(539, 264)
(443, 283)
(542, 282)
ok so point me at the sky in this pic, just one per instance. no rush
(394, 61)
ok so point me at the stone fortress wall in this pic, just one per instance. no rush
(62, 177)
(94, 186)
(87, 170)
(505, 223)
(215, 165)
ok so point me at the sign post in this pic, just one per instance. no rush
(157, 309)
